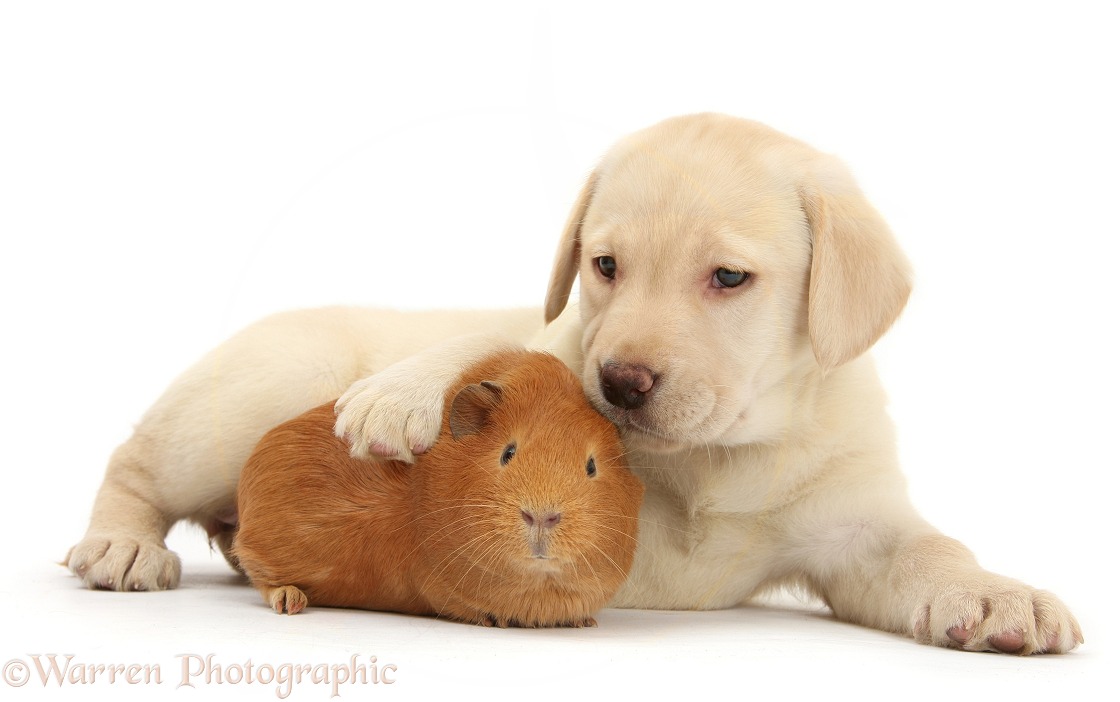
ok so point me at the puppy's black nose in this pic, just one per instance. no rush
(626, 385)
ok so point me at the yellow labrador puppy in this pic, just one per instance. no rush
(731, 280)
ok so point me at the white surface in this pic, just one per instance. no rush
(167, 176)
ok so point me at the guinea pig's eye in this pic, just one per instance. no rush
(727, 278)
(507, 455)
(606, 266)
(591, 467)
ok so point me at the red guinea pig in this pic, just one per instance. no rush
(524, 512)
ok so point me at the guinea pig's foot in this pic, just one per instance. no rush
(286, 598)
(489, 620)
(570, 624)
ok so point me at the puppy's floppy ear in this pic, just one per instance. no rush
(566, 266)
(859, 280)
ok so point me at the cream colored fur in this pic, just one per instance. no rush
(185, 456)
(765, 447)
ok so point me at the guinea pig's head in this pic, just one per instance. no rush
(529, 512)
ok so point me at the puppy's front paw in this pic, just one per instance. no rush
(121, 562)
(997, 614)
(395, 414)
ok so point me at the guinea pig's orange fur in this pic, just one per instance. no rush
(534, 542)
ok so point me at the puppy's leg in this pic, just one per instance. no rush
(184, 459)
(895, 573)
(398, 412)
(124, 548)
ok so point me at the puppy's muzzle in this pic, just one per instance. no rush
(626, 385)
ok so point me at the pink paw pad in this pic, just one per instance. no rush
(1007, 642)
(960, 634)
(380, 449)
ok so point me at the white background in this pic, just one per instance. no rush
(170, 173)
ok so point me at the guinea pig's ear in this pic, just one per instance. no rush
(471, 408)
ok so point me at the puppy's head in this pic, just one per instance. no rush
(719, 262)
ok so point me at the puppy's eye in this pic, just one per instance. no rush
(507, 455)
(727, 278)
(606, 266)
(591, 470)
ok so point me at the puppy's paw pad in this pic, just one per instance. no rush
(959, 634)
(1007, 642)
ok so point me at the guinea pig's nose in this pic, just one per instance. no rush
(626, 385)
(543, 519)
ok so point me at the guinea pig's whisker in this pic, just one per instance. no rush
(473, 562)
(476, 553)
(601, 589)
(477, 463)
(640, 521)
(610, 515)
(616, 457)
(466, 517)
(450, 558)
(618, 531)
(495, 579)
(621, 570)
(590, 570)
(487, 563)
(489, 574)
(436, 511)
(654, 469)
(437, 534)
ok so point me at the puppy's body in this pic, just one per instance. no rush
(731, 279)
(186, 454)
